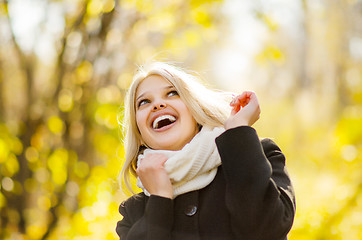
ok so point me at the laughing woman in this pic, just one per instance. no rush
(204, 172)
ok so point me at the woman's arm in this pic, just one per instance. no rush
(259, 195)
(146, 218)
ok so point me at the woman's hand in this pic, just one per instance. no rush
(153, 175)
(245, 112)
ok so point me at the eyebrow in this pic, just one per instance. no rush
(140, 96)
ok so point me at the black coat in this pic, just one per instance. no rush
(250, 198)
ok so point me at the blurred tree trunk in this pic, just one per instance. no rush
(26, 64)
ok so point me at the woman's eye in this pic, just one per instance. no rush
(143, 102)
(172, 93)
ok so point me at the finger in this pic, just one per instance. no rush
(235, 101)
(245, 101)
(163, 160)
(155, 160)
(240, 100)
(247, 98)
(253, 99)
(235, 110)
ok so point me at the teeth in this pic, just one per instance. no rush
(160, 118)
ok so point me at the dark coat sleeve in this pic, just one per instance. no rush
(146, 218)
(259, 195)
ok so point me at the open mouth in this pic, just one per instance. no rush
(163, 121)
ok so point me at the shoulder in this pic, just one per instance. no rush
(136, 204)
(268, 142)
(273, 153)
(270, 147)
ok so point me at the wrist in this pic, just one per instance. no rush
(228, 125)
(164, 194)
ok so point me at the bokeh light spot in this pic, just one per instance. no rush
(55, 125)
(7, 184)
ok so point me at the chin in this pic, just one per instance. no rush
(168, 147)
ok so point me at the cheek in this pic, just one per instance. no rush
(140, 121)
(190, 119)
(140, 126)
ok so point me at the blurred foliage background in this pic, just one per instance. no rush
(65, 66)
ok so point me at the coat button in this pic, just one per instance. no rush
(190, 210)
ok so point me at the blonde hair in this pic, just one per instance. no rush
(208, 107)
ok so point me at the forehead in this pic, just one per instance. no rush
(152, 83)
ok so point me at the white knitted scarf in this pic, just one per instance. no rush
(194, 166)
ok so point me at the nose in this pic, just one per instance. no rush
(159, 105)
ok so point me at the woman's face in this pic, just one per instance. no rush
(163, 119)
